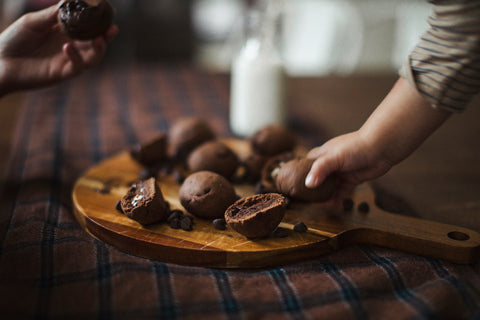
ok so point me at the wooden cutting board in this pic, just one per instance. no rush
(96, 193)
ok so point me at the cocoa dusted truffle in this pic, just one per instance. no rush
(256, 216)
(272, 140)
(85, 19)
(206, 194)
(213, 156)
(144, 203)
(151, 153)
(187, 134)
(290, 180)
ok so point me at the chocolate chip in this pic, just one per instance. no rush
(219, 224)
(186, 223)
(280, 233)
(174, 223)
(175, 214)
(118, 206)
(363, 207)
(187, 217)
(347, 204)
(260, 188)
(300, 227)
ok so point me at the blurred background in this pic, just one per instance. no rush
(319, 37)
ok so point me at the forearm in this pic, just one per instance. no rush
(402, 121)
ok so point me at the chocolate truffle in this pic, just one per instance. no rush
(85, 19)
(272, 140)
(206, 194)
(187, 134)
(253, 167)
(144, 203)
(154, 152)
(213, 156)
(271, 167)
(256, 216)
(290, 180)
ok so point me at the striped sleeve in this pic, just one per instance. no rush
(445, 64)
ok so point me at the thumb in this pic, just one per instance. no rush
(43, 19)
(321, 168)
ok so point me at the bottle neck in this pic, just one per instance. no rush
(263, 31)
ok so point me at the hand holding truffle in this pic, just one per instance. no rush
(351, 159)
(35, 52)
(399, 125)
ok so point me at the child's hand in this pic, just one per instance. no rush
(400, 123)
(353, 160)
(34, 52)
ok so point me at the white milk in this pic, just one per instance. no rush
(258, 87)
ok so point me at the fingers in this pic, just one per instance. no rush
(43, 19)
(316, 153)
(86, 54)
(321, 168)
(72, 54)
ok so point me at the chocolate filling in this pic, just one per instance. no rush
(252, 206)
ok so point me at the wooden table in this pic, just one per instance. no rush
(440, 181)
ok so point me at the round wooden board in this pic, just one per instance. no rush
(329, 228)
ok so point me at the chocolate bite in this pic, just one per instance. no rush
(290, 180)
(85, 19)
(151, 153)
(253, 167)
(144, 203)
(213, 156)
(187, 134)
(206, 194)
(272, 140)
(256, 216)
(270, 170)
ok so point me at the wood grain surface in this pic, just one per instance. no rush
(329, 228)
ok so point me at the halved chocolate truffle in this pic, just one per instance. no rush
(85, 19)
(290, 180)
(187, 134)
(272, 140)
(206, 194)
(154, 152)
(144, 203)
(213, 156)
(256, 216)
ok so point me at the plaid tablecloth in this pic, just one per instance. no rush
(50, 268)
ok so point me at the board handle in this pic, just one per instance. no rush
(418, 236)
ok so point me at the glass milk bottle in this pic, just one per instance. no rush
(258, 80)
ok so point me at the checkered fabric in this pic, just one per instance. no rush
(50, 268)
